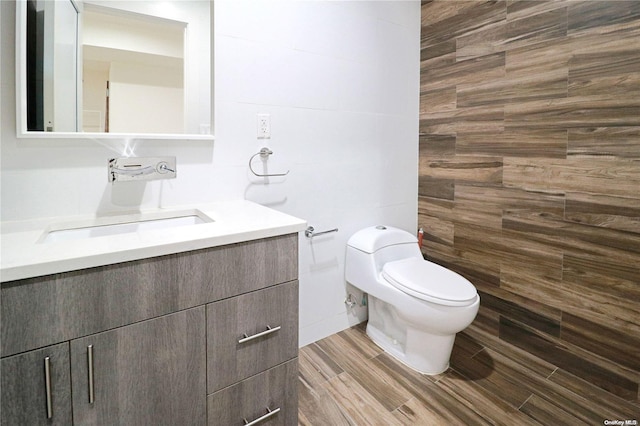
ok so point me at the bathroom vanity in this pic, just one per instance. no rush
(176, 327)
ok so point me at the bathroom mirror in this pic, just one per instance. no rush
(113, 69)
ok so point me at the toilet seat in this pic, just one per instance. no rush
(430, 282)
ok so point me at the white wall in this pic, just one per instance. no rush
(341, 83)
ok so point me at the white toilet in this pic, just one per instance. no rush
(416, 307)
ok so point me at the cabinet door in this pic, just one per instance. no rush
(238, 341)
(27, 398)
(149, 373)
(268, 399)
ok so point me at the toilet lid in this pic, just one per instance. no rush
(429, 281)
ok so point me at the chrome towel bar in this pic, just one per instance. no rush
(310, 232)
(264, 153)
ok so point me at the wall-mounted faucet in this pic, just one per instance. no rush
(141, 168)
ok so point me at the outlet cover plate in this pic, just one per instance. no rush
(264, 126)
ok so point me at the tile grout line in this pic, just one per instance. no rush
(412, 397)
(319, 370)
(525, 401)
(478, 351)
(444, 374)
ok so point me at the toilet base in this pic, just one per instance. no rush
(420, 350)
(421, 364)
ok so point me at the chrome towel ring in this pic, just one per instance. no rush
(264, 153)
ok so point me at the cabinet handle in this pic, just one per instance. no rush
(269, 330)
(92, 396)
(47, 385)
(265, 417)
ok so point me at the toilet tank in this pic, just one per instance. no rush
(372, 239)
(370, 248)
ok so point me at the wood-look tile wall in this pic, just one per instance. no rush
(530, 174)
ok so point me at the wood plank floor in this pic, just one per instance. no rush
(345, 379)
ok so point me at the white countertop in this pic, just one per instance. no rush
(24, 254)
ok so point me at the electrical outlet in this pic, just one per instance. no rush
(264, 126)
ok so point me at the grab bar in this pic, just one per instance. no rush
(310, 232)
(264, 153)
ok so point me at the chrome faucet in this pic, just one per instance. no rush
(141, 168)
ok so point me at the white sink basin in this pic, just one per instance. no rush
(123, 224)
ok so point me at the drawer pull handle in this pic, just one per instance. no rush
(92, 396)
(47, 386)
(269, 330)
(265, 417)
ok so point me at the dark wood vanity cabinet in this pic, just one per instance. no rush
(158, 341)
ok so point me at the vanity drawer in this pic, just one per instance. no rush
(274, 389)
(46, 310)
(251, 333)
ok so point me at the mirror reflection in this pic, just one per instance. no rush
(132, 73)
(52, 95)
(118, 66)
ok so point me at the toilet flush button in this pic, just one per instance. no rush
(381, 227)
